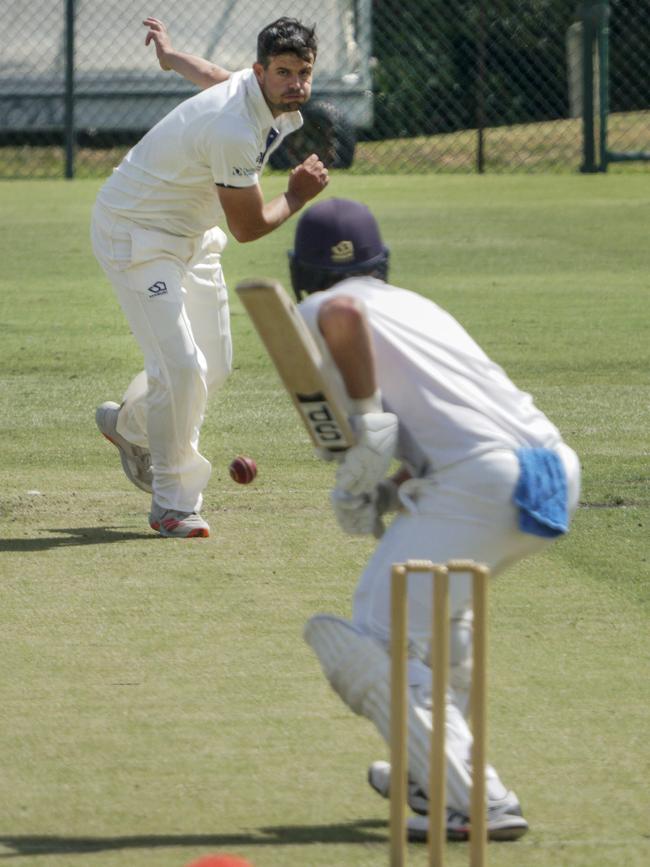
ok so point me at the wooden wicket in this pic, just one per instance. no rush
(399, 711)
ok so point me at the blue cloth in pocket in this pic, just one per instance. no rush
(541, 493)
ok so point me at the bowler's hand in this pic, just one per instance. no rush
(160, 37)
(308, 179)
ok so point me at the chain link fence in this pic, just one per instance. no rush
(401, 85)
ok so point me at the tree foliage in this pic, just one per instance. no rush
(444, 65)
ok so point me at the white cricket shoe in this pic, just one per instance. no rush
(501, 826)
(180, 525)
(504, 819)
(379, 779)
(136, 461)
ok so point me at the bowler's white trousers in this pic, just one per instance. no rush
(173, 295)
(462, 512)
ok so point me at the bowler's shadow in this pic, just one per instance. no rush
(362, 832)
(68, 537)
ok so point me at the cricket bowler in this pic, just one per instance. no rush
(156, 232)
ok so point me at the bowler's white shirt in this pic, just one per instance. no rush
(452, 401)
(223, 135)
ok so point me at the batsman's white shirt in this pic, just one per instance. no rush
(223, 135)
(452, 401)
(461, 421)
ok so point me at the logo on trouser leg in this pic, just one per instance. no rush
(158, 288)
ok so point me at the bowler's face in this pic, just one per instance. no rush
(285, 82)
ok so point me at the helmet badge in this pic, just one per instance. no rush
(343, 252)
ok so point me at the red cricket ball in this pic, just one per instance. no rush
(243, 470)
(220, 861)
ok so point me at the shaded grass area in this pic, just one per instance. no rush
(549, 146)
(157, 701)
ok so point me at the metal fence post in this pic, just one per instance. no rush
(603, 66)
(585, 16)
(594, 16)
(69, 131)
(480, 89)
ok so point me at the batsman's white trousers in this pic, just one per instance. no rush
(464, 511)
(173, 295)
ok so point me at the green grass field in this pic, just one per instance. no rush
(157, 701)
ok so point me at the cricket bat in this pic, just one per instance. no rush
(298, 361)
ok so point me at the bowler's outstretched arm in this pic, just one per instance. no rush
(200, 72)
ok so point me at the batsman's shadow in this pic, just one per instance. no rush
(361, 832)
(71, 536)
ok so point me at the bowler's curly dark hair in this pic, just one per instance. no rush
(286, 36)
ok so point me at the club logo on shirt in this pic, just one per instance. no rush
(270, 139)
(158, 288)
(243, 172)
(343, 252)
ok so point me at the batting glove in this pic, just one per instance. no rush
(386, 497)
(356, 515)
(367, 462)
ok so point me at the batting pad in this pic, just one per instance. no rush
(358, 669)
(351, 661)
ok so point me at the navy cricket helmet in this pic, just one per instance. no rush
(335, 239)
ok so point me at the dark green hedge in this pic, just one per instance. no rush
(442, 64)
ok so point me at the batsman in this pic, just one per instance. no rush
(482, 475)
